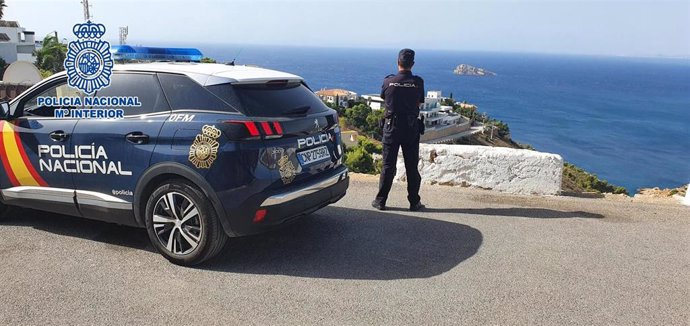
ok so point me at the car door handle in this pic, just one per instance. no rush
(137, 138)
(58, 135)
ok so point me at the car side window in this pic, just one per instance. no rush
(142, 85)
(186, 94)
(30, 107)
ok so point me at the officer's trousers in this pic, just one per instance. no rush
(410, 148)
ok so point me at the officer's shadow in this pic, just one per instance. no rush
(528, 212)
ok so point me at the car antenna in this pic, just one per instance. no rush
(232, 63)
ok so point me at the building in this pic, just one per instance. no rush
(342, 96)
(374, 101)
(432, 101)
(16, 43)
(437, 115)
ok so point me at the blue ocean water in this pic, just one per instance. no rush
(624, 119)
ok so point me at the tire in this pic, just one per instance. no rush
(184, 236)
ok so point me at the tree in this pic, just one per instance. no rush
(207, 60)
(2, 8)
(52, 55)
(373, 120)
(357, 116)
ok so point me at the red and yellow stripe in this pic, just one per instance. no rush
(14, 159)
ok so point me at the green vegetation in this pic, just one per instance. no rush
(577, 179)
(2, 8)
(359, 158)
(362, 118)
(207, 60)
(51, 56)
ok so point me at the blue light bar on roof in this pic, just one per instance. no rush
(140, 53)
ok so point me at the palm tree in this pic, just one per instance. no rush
(2, 8)
(51, 55)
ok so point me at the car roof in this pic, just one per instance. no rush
(212, 73)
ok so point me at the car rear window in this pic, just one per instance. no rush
(185, 94)
(271, 99)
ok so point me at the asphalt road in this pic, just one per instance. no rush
(475, 257)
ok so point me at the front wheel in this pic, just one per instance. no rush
(183, 225)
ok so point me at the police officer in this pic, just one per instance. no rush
(403, 93)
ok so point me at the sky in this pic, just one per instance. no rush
(614, 27)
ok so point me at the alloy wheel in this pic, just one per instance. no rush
(177, 223)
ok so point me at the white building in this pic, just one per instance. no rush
(374, 101)
(434, 95)
(16, 43)
(432, 100)
(342, 96)
(437, 115)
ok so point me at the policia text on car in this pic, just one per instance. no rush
(403, 93)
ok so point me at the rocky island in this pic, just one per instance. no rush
(467, 70)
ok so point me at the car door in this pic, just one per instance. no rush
(121, 148)
(37, 167)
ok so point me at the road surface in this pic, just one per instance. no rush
(475, 257)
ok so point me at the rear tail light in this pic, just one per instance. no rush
(278, 127)
(267, 128)
(253, 130)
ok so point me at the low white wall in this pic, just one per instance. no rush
(517, 171)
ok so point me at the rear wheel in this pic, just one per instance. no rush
(182, 224)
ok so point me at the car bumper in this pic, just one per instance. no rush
(287, 205)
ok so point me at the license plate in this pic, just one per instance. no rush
(313, 155)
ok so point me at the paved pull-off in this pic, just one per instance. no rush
(475, 257)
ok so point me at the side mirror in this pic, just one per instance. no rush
(4, 110)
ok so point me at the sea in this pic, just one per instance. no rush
(624, 119)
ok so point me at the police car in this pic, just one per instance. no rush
(213, 151)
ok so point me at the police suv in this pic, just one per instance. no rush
(210, 151)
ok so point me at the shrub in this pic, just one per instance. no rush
(589, 182)
(359, 161)
(369, 146)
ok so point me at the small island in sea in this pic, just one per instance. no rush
(467, 70)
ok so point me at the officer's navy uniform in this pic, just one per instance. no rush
(402, 92)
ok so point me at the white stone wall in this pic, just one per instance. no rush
(517, 171)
